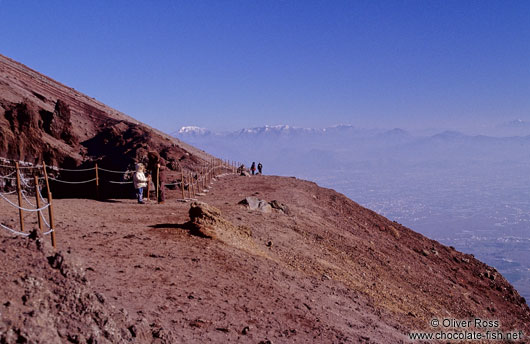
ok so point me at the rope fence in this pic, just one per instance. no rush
(9, 175)
(112, 171)
(191, 183)
(70, 182)
(14, 231)
(22, 208)
(23, 184)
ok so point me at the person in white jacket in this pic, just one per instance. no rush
(140, 182)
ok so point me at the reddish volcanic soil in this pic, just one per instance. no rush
(324, 270)
(44, 120)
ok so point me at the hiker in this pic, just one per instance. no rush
(253, 168)
(140, 182)
(260, 167)
(155, 164)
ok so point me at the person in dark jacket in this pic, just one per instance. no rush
(253, 168)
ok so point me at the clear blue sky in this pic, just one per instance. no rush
(233, 64)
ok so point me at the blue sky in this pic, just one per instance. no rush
(232, 64)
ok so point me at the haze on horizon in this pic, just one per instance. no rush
(239, 64)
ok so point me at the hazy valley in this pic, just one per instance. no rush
(470, 192)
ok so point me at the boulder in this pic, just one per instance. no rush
(203, 213)
(252, 202)
(264, 206)
(279, 206)
(206, 221)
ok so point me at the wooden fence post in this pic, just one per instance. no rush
(193, 186)
(148, 188)
(46, 179)
(190, 176)
(19, 191)
(195, 182)
(203, 178)
(182, 182)
(37, 192)
(97, 182)
(189, 185)
(199, 180)
(52, 222)
(157, 186)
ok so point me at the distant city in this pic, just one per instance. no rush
(467, 191)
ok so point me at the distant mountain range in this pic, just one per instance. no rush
(265, 130)
(506, 129)
(289, 148)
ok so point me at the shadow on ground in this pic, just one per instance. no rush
(190, 227)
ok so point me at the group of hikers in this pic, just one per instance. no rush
(253, 168)
(155, 171)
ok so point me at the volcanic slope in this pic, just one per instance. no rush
(42, 119)
(316, 268)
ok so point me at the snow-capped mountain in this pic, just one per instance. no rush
(192, 131)
(269, 130)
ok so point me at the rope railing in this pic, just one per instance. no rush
(14, 231)
(24, 181)
(22, 208)
(113, 171)
(10, 192)
(72, 170)
(27, 200)
(9, 175)
(44, 219)
(194, 181)
(49, 232)
(72, 182)
(23, 184)
(22, 167)
(40, 196)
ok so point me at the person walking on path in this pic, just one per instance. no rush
(253, 168)
(140, 182)
(260, 167)
(156, 169)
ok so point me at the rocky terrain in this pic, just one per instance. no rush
(308, 265)
(259, 259)
(44, 120)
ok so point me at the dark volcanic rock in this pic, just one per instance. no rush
(43, 120)
(50, 301)
(58, 124)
